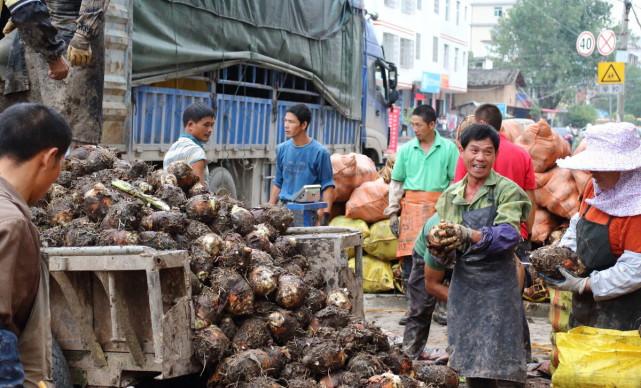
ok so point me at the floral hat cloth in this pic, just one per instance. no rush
(610, 147)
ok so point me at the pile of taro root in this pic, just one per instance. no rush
(264, 317)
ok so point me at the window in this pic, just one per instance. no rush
(391, 47)
(456, 59)
(435, 49)
(408, 6)
(436, 6)
(464, 61)
(447, 10)
(498, 11)
(419, 4)
(418, 46)
(465, 14)
(446, 56)
(407, 53)
(391, 3)
(458, 12)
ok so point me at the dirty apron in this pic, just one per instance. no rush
(622, 313)
(35, 342)
(485, 332)
(416, 208)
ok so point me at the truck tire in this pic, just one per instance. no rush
(221, 182)
(60, 374)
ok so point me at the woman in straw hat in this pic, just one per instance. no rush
(606, 232)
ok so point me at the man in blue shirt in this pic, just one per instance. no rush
(302, 161)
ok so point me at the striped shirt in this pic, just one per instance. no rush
(186, 150)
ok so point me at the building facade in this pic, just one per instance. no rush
(485, 15)
(429, 42)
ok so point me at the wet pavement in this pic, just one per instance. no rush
(385, 310)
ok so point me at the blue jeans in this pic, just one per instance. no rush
(11, 371)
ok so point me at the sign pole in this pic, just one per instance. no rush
(623, 47)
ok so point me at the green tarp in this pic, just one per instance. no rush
(320, 40)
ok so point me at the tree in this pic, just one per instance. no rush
(633, 90)
(581, 115)
(538, 37)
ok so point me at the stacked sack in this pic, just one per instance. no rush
(366, 194)
(557, 189)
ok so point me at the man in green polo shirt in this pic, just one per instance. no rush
(475, 231)
(424, 167)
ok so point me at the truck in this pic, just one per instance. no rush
(250, 61)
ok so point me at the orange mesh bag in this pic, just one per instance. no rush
(350, 171)
(544, 224)
(368, 201)
(581, 177)
(511, 129)
(544, 145)
(557, 192)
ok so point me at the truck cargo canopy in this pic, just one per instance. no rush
(320, 40)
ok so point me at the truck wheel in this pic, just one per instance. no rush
(221, 182)
(61, 374)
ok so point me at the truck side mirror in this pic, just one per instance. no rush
(393, 76)
(393, 96)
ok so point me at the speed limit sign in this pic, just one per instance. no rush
(585, 44)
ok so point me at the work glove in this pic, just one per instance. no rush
(447, 236)
(394, 224)
(79, 50)
(569, 283)
(10, 26)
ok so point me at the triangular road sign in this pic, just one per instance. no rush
(611, 75)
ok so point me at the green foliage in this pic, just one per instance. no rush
(633, 90)
(581, 115)
(535, 112)
(628, 118)
(539, 38)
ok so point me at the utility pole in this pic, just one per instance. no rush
(623, 47)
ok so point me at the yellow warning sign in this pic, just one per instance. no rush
(611, 73)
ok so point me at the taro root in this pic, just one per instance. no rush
(342, 379)
(385, 380)
(408, 382)
(316, 299)
(97, 202)
(143, 187)
(258, 239)
(304, 316)
(264, 307)
(81, 233)
(259, 258)
(137, 169)
(331, 316)
(546, 260)
(228, 327)
(75, 167)
(397, 361)
(302, 383)
(39, 217)
(210, 346)
(53, 237)
(261, 382)
(158, 240)
(314, 279)
(277, 216)
(263, 280)
(81, 152)
(211, 243)
(294, 370)
(65, 178)
(284, 326)
(234, 255)
(339, 298)
(296, 262)
(248, 365)
(291, 291)
(242, 220)
(440, 376)
(201, 262)
(285, 246)
(61, 211)
(185, 176)
(324, 357)
(99, 159)
(123, 215)
(252, 334)
(171, 222)
(197, 189)
(208, 306)
(234, 289)
(118, 237)
(365, 365)
(196, 229)
(202, 208)
(161, 177)
(57, 191)
(361, 337)
(171, 195)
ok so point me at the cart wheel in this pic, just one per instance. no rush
(221, 182)
(61, 374)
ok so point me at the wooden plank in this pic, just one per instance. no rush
(156, 309)
(176, 341)
(116, 263)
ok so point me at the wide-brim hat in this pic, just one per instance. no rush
(610, 147)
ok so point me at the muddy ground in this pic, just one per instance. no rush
(385, 310)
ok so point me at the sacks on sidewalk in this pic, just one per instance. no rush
(368, 201)
(557, 192)
(350, 171)
(544, 145)
(346, 222)
(377, 274)
(381, 242)
(544, 224)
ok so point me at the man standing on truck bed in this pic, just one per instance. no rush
(424, 168)
(33, 141)
(198, 121)
(302, 161)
